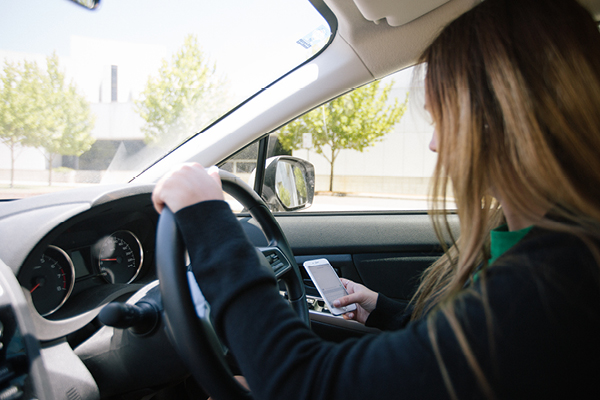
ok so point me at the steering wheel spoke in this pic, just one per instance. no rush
(277, 260)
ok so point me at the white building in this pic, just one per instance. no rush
(110, 75)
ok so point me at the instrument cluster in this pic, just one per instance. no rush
(114, 249)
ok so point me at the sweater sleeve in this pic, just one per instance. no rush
(389, 314)
(221, 254)
(527, 353)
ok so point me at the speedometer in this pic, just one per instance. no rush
(120, 258)
(50, 280)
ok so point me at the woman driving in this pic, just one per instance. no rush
(512, 309)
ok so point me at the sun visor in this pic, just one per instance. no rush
(396, 12)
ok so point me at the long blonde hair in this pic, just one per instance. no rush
(514, 90)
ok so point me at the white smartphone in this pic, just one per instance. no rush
(328, 284)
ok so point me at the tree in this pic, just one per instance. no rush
(66, 122)
(186, 96)
(21, 103)
(354, 121)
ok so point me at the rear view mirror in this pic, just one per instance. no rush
(89, 4)
(289, 183)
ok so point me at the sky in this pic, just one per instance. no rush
(252, 41)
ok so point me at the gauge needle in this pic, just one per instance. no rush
(35, 287)
(108, 259)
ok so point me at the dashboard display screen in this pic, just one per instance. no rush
(81, 267)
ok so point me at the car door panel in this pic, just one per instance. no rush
(394, 274)
(384, 251)
(355, 233)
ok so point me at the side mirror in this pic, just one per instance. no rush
(289, 183)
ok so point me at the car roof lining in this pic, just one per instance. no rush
(396, 12)
(384, 48)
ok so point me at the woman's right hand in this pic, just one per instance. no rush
(365, 300)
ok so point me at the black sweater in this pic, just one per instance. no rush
(539, 340)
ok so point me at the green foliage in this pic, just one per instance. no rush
(186, 96)
(21, 101)
(67, 119)
(300, 185)
(38, 109)
(284, 195)
(354, 121)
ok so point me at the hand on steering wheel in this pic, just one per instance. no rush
(193, 336)
(186, 185)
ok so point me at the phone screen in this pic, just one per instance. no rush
(331, 287)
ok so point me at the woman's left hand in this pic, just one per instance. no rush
(186, 185)
(364, 298)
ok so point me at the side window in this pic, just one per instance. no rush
(369, 147)
(242, 164)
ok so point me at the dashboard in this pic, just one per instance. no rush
(71, 256)
(62, 259)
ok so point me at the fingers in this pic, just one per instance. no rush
(157, 196)
(349, 299)
(213, 171)
(349, 285)
(349, 316)
(158, 203)
(186, 185)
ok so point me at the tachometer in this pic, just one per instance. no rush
(120, 257)
(50, 280)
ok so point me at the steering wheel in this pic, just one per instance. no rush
(187, 320)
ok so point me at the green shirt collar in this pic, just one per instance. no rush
(502, 240)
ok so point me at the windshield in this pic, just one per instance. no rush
(89, 97)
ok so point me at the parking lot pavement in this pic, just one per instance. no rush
(26, 190)
(362, 202)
